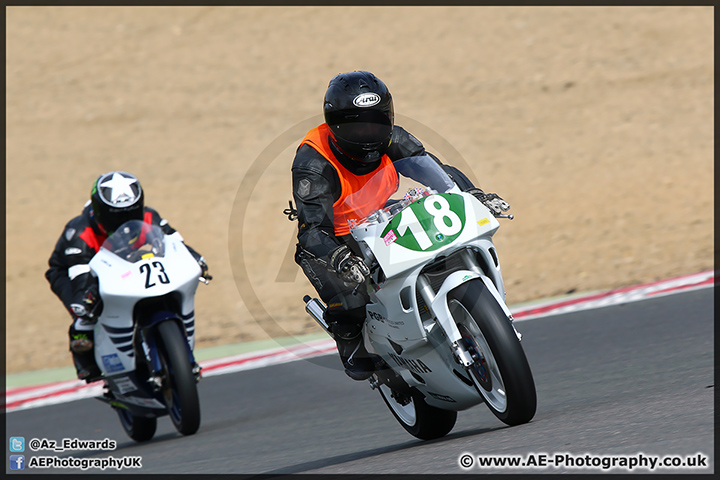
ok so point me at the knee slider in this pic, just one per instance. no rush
(80, 341)
(81, 345)
(345, 331)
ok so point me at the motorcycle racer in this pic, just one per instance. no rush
(115, 198)
(334, 161)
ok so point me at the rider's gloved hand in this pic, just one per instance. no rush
(87, 308)
(204, 269)
(491, 200)
(351, 269)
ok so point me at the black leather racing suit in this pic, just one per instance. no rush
(69, 273)
(316, 233)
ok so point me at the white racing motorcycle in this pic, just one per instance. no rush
(437, 315)
(145, 336)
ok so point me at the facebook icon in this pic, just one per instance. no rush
(17, 462)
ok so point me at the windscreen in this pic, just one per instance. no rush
(136, 240)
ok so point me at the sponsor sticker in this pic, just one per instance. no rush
(143, 402)
(389, 238)
(376, 316)
(444, 398)
(124, 385)
(112, 363)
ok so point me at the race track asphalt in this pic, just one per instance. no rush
(627, 380)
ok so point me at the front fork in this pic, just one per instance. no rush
(152, 357)
(438, 305)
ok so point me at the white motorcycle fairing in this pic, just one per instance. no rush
(145, 279)
(437, 313)
(418, 349)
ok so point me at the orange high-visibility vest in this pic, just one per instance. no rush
(360, 194)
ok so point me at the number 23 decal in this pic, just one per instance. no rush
(147, 270)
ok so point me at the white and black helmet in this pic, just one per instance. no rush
(116, 197)
(358, 108)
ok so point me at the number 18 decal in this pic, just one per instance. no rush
(149, 278)
(433, 222)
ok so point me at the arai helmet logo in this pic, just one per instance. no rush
(366, 100)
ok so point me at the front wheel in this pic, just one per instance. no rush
(140, 429)
(179, 385)
(500, 372)
(417, 417)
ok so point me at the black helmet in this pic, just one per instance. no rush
(116, 197)
(359, 110)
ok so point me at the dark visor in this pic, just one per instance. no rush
(371, 126)
(115, 217)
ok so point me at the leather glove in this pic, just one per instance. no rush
(491, 200)
(351, 269)
(87, 308)
(204, 269)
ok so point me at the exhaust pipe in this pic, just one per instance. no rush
(316, 309)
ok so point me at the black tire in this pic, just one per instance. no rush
(140, 429)
(417, 417)
(179, 384)
(501, 373)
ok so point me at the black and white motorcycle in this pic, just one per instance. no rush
(145, 336)
(437, 315)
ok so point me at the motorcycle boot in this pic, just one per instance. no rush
(358, 363)
(81, 347)
(355, 358)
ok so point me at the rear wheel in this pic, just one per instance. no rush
(179, 386)
(140, 429)
(417, 417)
(500, 372)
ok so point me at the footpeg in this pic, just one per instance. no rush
(197, 372)
(156, 382)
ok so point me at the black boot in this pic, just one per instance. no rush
(355, 358)
(86, 366)
(81, 346)
(346, 327)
